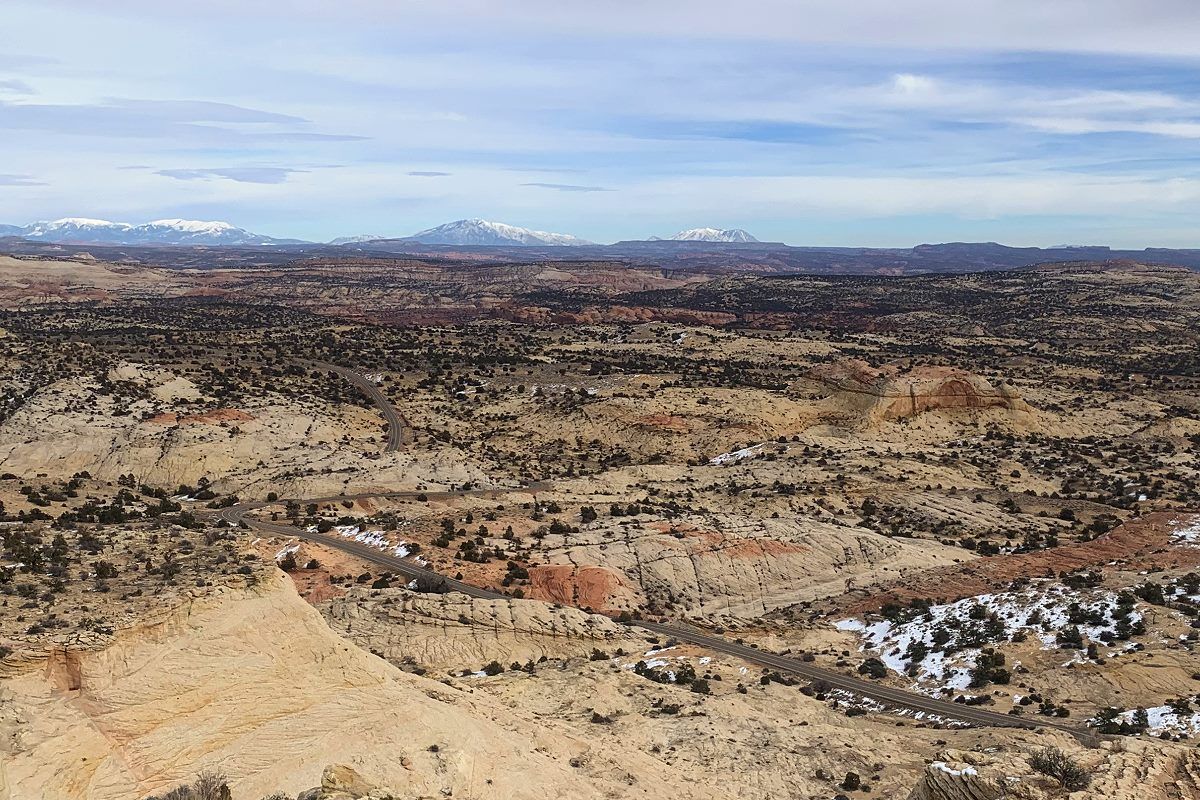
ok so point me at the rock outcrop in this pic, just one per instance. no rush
(889, 393)
(342, 782)
(451, 632)
(956, 781)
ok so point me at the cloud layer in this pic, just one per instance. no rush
(810, 122)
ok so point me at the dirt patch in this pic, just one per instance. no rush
(314, 585)
(214, 417)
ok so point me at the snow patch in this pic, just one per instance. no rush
(964, 627)
(1186, 535)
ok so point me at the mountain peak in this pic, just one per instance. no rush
(483, 232)
(81, 230)
(191, 225)
(361, 238)
(713, 235)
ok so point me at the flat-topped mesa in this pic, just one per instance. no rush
(890, 393)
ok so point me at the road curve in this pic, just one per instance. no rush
(887, 695)
(398, 427)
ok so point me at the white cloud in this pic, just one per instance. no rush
(907, 84)
(1074, 126)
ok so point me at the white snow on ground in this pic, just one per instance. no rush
(1042, 611)
(1162, 718)
(289, 549)
(376, 539)
(370, 538)
(1186, 535)
(736, 455)
(1130, 647)
(853, 700)
(949, 770)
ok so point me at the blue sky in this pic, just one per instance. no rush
(822, 123)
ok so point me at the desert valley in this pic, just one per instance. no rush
(385, 526)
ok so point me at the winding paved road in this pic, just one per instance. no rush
(399, 430)
(887, 695)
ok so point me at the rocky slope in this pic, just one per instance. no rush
(1119, 770)
(256, 685)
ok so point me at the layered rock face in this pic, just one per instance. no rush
(889, 393)
(256, 686)
(450, 632)
(722, 564)
(943, 781)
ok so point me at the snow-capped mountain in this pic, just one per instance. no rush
(360, 239)
(79, 230)
(713, 235)
(482, 232)
(188, 231)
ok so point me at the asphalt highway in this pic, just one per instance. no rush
(398, 427)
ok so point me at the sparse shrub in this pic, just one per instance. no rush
(1056, 764)
(873, 667)
(207, 786)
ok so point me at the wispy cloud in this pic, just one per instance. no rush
(15, 86)
(8, 179)
(239, 174)
(568, 187)
(199, 111)
(192, 122)
(1076, 126)
(428, 174)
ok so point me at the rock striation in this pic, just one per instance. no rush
(889, 393)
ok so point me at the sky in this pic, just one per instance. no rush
(814, 123)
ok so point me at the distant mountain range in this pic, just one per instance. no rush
(190, 243)
(460, 233)
(79, 230)
(484, 233)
